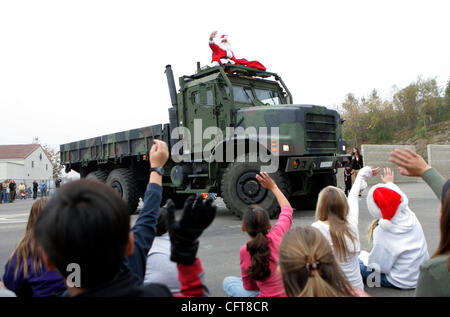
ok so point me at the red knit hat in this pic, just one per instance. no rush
(387, 200)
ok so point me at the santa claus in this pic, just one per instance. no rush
(222, 53)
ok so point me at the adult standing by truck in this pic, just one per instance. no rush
(357, 163)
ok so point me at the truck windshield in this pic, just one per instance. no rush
(267, 97)
(245, 95)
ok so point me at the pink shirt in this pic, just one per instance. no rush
(273, 285)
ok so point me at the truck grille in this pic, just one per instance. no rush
(320, 132)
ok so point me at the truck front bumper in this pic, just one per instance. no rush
(314, 164)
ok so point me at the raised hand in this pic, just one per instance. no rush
(375, 171)
(184, 233)
(159, 153)
(409, 163)
(388, 175)
(266, 181)
(213, 35)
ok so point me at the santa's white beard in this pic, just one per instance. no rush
(226, 46)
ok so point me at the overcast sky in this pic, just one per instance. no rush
(71, 70)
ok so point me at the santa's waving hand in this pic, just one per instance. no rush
(220, 53)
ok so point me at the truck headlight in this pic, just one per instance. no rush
(285, 147)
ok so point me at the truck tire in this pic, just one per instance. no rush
(240, 189)
(123, 181)
(98, 175)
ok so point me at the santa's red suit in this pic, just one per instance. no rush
(221, 54)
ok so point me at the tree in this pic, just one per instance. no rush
(54, 157)
(354, 126)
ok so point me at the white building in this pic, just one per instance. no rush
(24, 163)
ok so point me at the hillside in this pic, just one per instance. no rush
(438, 133)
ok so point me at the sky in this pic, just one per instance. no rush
(71, 70)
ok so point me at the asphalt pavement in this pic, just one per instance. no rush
(221, 242)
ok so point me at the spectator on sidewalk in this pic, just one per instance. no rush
(43, 188)
(12, 191)
(35, 189)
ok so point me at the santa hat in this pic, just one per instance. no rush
(224, 37)
(389, 204)
(387, 201)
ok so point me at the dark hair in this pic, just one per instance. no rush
(357, 150)
(87, 223)
(256, 222)
(444, 244)
(162, 227)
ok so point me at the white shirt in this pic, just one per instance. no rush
(350, 267)
(159, 267)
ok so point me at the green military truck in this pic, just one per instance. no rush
(243, 107)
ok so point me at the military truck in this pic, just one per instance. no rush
(308, 147)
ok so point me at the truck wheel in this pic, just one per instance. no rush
(98, 175)
(240, 188)
(123, 181)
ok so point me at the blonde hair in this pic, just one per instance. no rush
(371, 228)
(28, 246)
(301, 249)
(332, 205)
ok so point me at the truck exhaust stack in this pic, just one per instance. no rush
(172, 88)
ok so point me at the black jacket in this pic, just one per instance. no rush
(356, 165)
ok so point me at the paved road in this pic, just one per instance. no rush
(220, 243)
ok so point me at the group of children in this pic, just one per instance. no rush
(87, 224)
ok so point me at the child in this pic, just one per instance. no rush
(25, 273)
(337, 220)
(399, 245)
(308, 266)
(348, 172)
(259, 257)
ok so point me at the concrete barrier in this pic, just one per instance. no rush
(378, 155)
(439, 158)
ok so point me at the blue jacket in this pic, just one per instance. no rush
(144, 232)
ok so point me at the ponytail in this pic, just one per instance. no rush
(257, 223)
(371, 228)
(260, 252)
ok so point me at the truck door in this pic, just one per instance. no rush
(201, 106)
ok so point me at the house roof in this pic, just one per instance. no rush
(17, 151)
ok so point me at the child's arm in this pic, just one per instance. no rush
(268, 183)
(284, 222)
(353, 200)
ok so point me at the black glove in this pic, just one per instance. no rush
(184, 233)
